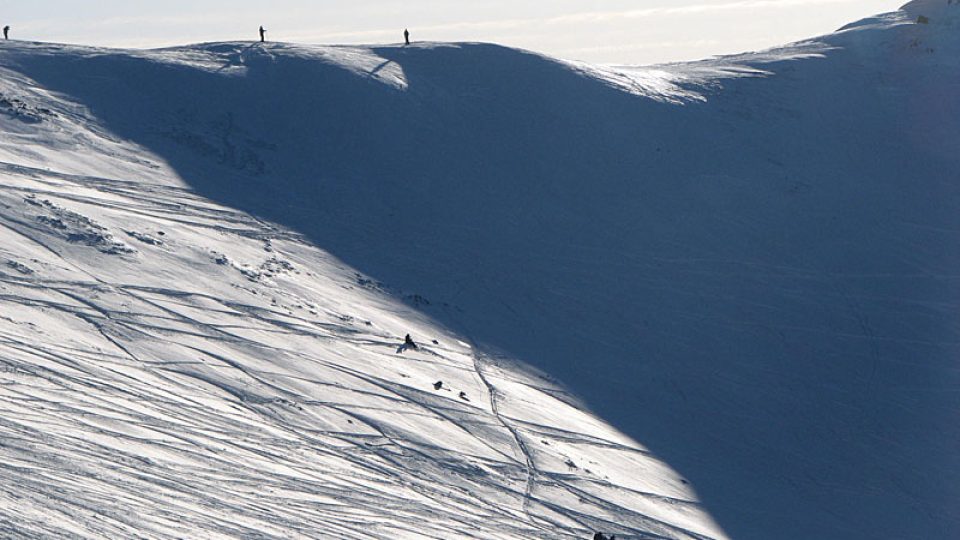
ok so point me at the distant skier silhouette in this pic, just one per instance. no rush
(406, 36)
(6, 32)
(408, 343)
(263, 34)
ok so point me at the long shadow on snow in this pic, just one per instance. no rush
(680, 268)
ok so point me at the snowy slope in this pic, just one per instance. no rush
(176, 368)
(685, 301)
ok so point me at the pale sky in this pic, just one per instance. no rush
(600, 31)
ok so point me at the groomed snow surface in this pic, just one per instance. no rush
(692, 301)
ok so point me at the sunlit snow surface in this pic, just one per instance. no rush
(178, 366)
(174, 368)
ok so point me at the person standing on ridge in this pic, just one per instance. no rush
(406, 36)
(6, 32)
(263, 34)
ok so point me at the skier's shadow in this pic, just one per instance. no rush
(380, 67)
(406, 347)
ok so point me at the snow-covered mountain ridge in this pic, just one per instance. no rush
(683, 301)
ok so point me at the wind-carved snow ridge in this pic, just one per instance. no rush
(692, 81)
(236, 59)
(660, 84)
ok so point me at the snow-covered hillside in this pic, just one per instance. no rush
(699, 301)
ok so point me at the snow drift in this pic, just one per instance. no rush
(684, 301)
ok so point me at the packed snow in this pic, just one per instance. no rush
(695, 301)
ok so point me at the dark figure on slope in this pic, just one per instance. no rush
(600, 536)
(6, 32)
(408, 343)
(406, 36)
(263, 34)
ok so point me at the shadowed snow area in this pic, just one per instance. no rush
(695, 301)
